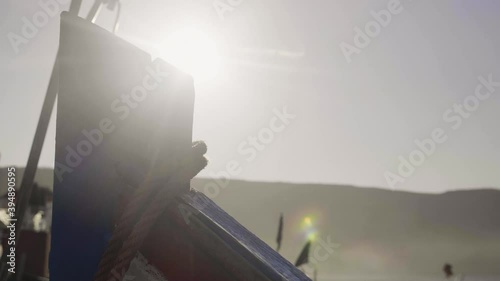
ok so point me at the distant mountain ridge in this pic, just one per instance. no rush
(378, 231)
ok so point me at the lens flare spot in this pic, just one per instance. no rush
(311, 236)
(308, 221)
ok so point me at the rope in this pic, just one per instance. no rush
(141, 230)
(118, 255)
(123, 229)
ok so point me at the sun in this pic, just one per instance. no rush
(193, 52)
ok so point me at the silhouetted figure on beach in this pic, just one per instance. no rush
(448, 270)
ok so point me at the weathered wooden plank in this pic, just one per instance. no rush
(196, 239)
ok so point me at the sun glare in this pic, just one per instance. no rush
(311, 236)
(193, 52)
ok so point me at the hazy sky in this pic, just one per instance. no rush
(352, 120)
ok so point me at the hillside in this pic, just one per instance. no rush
(378, 231)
